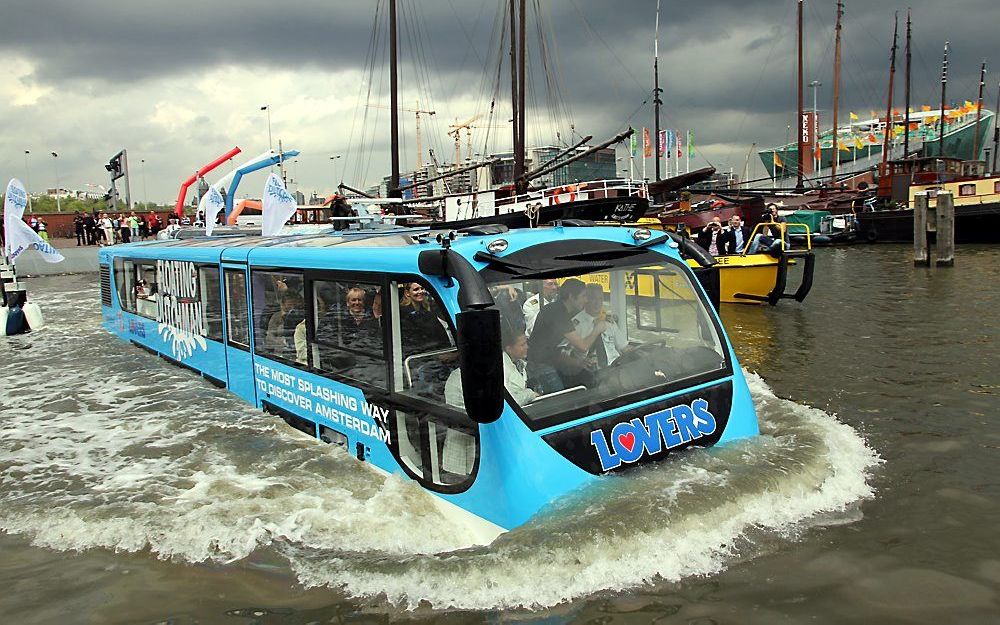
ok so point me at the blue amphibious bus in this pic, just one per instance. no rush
(498, 369)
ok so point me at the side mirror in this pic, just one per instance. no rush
(479, 356)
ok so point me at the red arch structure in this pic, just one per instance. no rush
(179, 209)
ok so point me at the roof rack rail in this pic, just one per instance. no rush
(484, 229)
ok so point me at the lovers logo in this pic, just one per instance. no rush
(656, 432)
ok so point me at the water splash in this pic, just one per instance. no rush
(119, 450)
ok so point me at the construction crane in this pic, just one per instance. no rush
(456, 134)
(418, 112)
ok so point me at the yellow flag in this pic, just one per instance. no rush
(843, 147)
(854, 117)
(858, 144)
(777, 162)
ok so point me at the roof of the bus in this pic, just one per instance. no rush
(327, 245)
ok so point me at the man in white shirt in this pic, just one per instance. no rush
(613, 340)
(548, 294)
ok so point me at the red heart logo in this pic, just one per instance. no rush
(627, 440)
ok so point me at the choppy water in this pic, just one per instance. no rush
(132, 492)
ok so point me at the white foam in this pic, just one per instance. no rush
(105, 446)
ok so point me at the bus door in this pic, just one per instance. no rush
(239, 363)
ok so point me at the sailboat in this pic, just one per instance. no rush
(975, 193)
(517, 204)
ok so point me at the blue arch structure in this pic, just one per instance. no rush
(252, 167)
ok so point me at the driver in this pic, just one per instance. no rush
(550, 368)
(613, 340)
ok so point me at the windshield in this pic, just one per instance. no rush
(585, 342)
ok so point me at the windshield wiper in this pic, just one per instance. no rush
(602, 255)
(515, 268)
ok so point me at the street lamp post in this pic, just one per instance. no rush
(55, 157)
(27, 180)
(819, 161)
(270, 144)
(334, 163)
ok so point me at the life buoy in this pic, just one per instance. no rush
(570, 189)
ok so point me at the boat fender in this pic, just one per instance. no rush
(871, 235)
(3, 321)
(16, 323)
(33, 314)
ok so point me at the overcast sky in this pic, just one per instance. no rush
(178, 83)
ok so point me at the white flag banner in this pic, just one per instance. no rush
(210, 205)
(15, 198)
(278, 206)
(21, 237)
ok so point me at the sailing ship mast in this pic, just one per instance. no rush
(979, 111)
(656, 89)
(996, 130)
(393, 190)
(906, 96)
(799, 186)
(836, 95)
(887, 135)
(518, 24)
(944, 85)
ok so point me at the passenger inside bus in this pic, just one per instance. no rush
(551, 366)
(420, 321)
(515, 350)
(321, 299)
(510, 302)
(358, 325)
(282, 323)
(428, 349)
(547, 292)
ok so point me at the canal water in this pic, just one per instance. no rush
(133, 492)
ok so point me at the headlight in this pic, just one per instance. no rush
(497, 246)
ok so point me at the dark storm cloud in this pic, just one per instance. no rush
(727, 66)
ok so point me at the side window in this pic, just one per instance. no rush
(438, 442)
(278, 314)
(211, 300)
(996, 186)
(144, 289)
(237, 321)
(426, 346)
(123, 280)
(966, 189)
(346, 331)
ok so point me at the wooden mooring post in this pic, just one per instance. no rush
(939, 219)
(921, 255)
(945, 242)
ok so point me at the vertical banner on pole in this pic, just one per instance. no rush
(807, 127)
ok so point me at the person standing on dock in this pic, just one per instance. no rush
(90, 226)
(78, 228)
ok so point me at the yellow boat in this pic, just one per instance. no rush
(762, 277)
